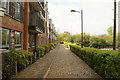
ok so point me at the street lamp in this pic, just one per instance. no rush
(81, 25)
(114, 29)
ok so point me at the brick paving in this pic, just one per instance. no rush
(59, 63)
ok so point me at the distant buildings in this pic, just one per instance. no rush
(25, 25)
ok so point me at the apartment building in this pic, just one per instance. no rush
(47, 23)
(36, 27)
(24, 26)
(52, 32)
(12, 25)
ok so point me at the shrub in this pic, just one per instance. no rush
(22, 58)
(62, 42)
(104, 62)
(40, 51)
(45, 49)
(67, 44)
(52, 45)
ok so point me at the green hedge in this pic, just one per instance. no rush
(67, 44)
(45, 49)
(22, 57)
(104, 62)
(41, 51)
(61, 42)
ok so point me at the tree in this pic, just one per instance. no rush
(94, 42)
(63, 36)
(86, 40)
(110, 31)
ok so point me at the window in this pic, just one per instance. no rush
(5, 37)
(17, 38)
(15, 10)
(12, 9)
(32, 40)
(42, 41)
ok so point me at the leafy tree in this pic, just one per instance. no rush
(94, 42)
(63, 36)
(86, 40)
(110, 31)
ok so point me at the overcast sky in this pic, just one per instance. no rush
(98, 15)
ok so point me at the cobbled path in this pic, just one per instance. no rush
(58, 63)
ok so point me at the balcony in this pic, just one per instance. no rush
(39, 7)
(36, 24)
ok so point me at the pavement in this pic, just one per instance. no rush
(58, 63)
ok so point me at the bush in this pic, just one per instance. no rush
(62, 42)
(45, 49)
(22, 58)
(67, 44)
(40, 51)
(104, 62)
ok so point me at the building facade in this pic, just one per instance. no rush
(12, 25)
(52, 32)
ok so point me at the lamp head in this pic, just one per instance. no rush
(73, 10)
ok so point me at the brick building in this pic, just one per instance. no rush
(11, 25)
(52, 32)
(25, 25)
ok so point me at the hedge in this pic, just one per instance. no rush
(61, 42)
(23, 58)
(67, 44)
(20, 56)
(104, 62)
(45, 48)
(41, 51)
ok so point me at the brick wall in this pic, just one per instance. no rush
(11, 23)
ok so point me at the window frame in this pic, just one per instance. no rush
(20, 41)
(7, 44)
(12, 10)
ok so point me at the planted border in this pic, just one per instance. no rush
(13, 59)
(17, 60)
(104, 62)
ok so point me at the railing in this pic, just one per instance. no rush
(35, 20)
(15, 10)
(40, 24)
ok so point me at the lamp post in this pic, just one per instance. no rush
(114, 29)
(81, 25)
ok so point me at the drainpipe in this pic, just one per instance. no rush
(25, 33)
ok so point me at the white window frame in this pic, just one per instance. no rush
(20, 44)
(7, 44)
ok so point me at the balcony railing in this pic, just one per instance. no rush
(15, 10)
(36, 23)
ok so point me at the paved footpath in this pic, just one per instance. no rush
(58, 63)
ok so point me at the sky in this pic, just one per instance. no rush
(97, 15)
